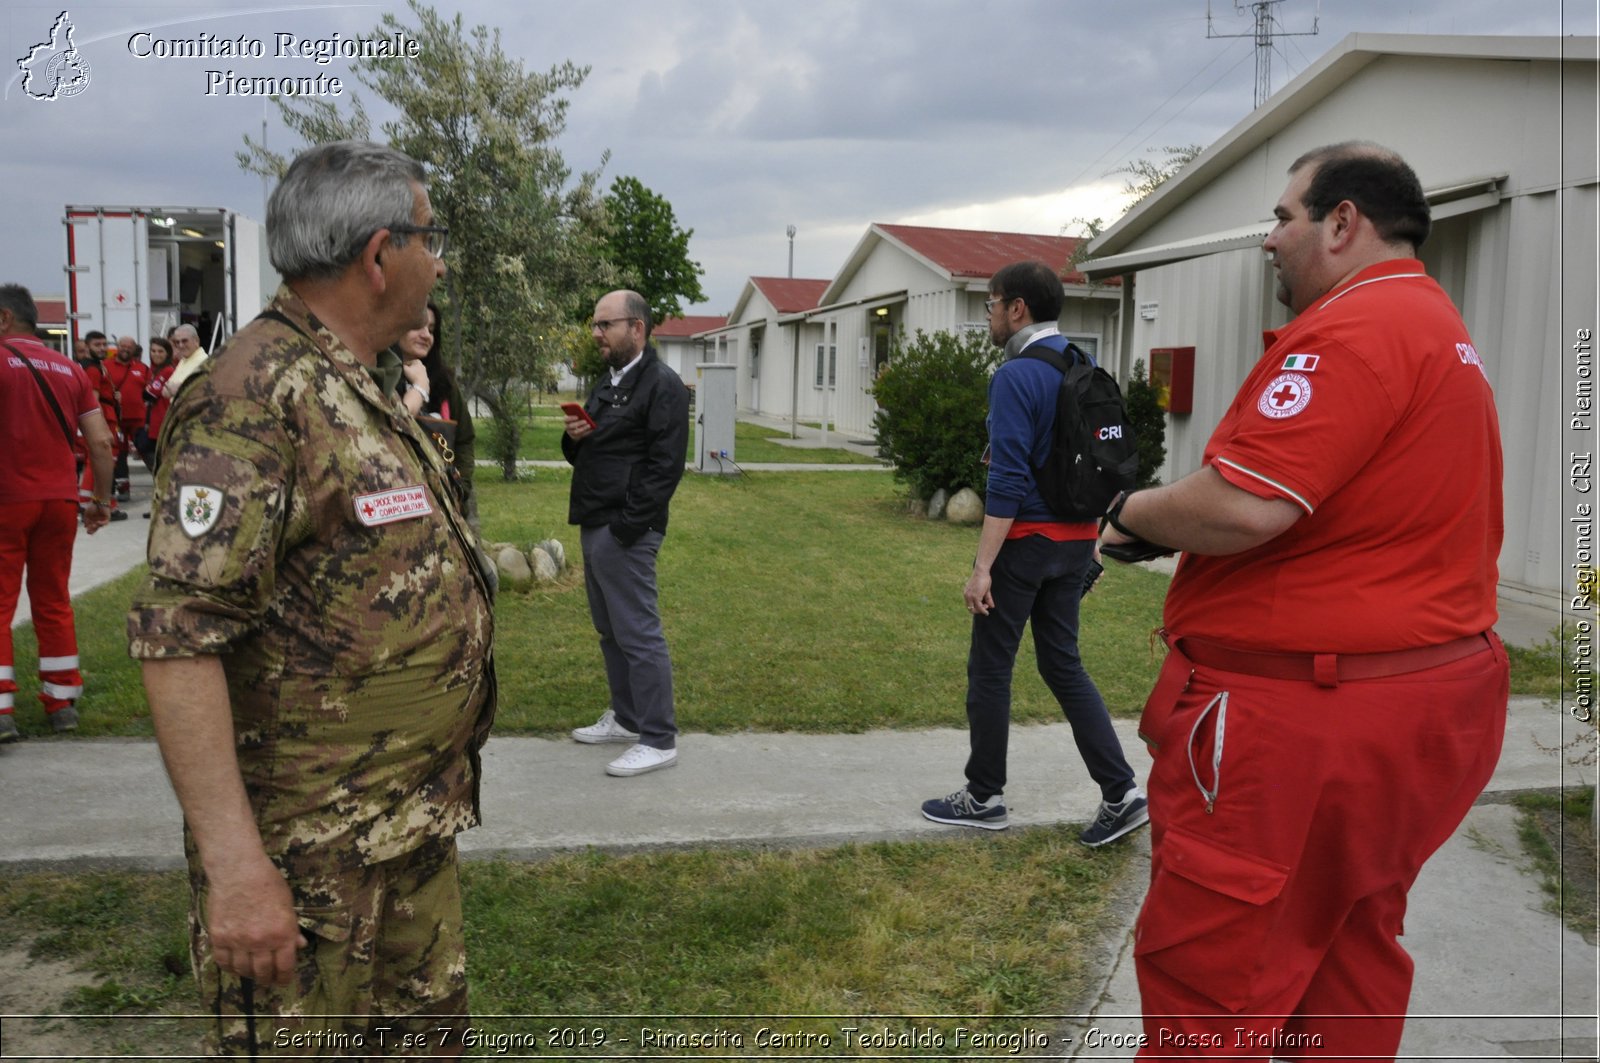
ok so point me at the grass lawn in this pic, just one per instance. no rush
(1556, 832)
(967, 925)
(792, 601)
(541, 441)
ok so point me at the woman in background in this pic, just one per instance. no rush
(429, 390)
(155, 410)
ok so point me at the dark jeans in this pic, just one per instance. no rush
(1040, 580)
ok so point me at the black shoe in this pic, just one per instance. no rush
(64, 719)
(119, 514)
(1113, 821)
(961, 809)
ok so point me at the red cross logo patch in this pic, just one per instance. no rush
(1287, 395)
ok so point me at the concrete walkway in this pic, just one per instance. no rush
(1498, 977)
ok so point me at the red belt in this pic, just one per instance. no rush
(1326, 669)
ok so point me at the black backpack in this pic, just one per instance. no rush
(1094, 454)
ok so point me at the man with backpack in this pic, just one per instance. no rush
(1032, 564)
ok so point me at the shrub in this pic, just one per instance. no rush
(933, 398)
(1149, 420)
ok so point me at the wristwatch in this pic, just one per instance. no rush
(1140, 549)
(1114, 511)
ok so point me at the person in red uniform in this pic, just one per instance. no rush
(39, 503)
(129, 377)
(161, 368)
(1333, 697)
(100, 381)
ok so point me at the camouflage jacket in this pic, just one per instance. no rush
(303, 531)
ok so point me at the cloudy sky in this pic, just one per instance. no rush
(748, 115)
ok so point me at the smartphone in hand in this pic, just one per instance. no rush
(1091, 575)
(574, 409)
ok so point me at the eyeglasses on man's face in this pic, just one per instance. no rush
(990, 303)
(603, 325)
(434, 237)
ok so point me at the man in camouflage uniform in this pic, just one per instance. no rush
(316, 635)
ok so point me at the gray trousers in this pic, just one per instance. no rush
(621, 581)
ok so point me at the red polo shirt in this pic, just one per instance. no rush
(39, 465)
(129, 381)
(1370, 411)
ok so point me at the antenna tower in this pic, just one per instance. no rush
(1266, 29)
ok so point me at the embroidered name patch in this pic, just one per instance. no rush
(386, 507)
(199, 506)
(1304, 363)
(1287, 395)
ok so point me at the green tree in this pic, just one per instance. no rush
(649, 251)
(1143, 402)
(933, 399)
(1092, 228)
(526, 241)
(1146, 176)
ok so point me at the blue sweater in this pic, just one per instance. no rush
(1022, 421)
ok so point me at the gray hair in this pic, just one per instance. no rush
(18, 300)
(193, 332)
(332, 199)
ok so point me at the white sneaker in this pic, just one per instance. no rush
(640, 759)
(605, 729)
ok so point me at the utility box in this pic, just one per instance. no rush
(1172, 375)
(715, 401)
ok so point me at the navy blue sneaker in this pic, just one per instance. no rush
(961, 809)
(1115, 820)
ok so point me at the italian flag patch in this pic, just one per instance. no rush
(1303, 363)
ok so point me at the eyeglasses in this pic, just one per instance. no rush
(990, 304)
(601, 326)
(434, 237)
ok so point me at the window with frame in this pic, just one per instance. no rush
(827, 365)
(1088, 344)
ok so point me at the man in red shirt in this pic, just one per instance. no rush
(94, 367)
(42, 397)
(1332, 616)
(129, 377)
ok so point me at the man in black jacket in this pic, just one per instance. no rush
(627, 459)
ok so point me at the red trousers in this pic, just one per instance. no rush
(36, 537)
(1288, 821)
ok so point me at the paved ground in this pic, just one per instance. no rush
(1498, 977)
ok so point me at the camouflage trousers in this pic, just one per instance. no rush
(384, 973)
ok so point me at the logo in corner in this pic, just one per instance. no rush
(55, 69)
(198, 508)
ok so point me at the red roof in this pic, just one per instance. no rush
(790, 295)
(978, 254)
(684, 327)
(51, 311)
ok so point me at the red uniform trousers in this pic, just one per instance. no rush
(37, 536)
(1276, 909)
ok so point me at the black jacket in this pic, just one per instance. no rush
(624, 472)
